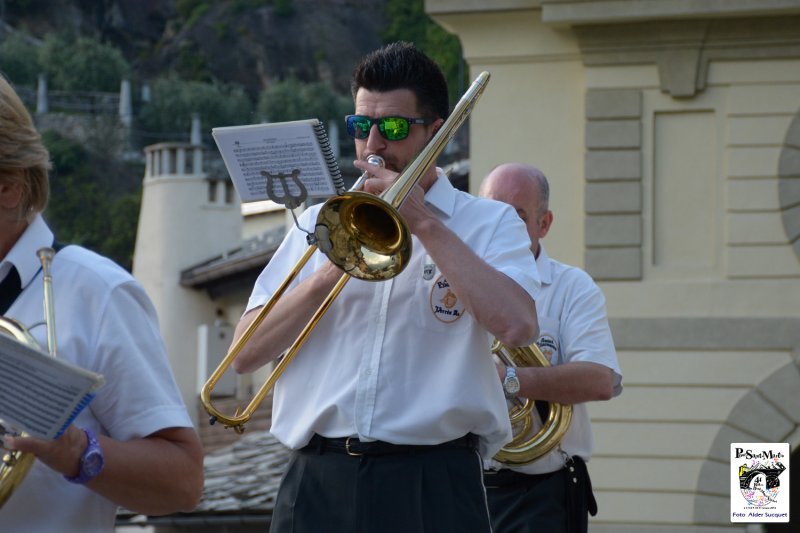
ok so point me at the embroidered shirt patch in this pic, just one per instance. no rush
(444, 302)
(548, 345)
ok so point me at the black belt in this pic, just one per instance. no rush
(495, 479)
(354, 447)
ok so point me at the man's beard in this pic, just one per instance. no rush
(395, 165)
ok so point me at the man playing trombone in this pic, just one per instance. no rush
(393, 398)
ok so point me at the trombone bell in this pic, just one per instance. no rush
(369, 240)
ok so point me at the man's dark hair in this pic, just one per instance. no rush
(401, 65)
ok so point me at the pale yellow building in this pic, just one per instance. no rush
(670, 131)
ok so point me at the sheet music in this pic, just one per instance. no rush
(41, 394)
(279, 148)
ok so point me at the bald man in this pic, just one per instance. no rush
(553, 494)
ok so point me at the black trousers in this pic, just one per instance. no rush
(559, 502)
(403, 489)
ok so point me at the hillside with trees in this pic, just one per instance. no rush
(231, 62)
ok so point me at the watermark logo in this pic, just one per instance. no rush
(759, 482)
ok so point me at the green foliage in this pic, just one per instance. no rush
(26, 6)
(284, 8)
(409, 22)
(82, 64)
(191, 63)
(19, 60)
(292, 99)
(241, 6)
(120, 240)
(445, 49)
(191, 10)
(174, 101)
(197, 13)
(87, 205)
(221, 30)
(69, 157)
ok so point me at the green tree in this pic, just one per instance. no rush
(293, 99)
(189, 11)
(409, 22)
(82, 64)
(173, 102)
(19, 60)
(94, 201)
(119, 242)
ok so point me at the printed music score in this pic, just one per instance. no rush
(266, 161)
(40, 394)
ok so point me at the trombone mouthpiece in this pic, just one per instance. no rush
(45, 254)
(377, 160)
(372, 159)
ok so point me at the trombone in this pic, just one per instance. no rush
(364, 235)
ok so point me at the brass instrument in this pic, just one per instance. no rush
(525, 448)
(15, 465)
(362, 234)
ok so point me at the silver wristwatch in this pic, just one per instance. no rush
(511, 383)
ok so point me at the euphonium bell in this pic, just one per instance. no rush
(14, 464)
(527, 446)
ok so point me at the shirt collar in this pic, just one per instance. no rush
(23, 254)
(544, 266)
(442, 194)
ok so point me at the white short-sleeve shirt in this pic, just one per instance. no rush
(573, 326)
(104, 322)
(400, 360)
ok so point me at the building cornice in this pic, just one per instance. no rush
(594, 12)
(442, 7)
(683, 49)
(586, 12)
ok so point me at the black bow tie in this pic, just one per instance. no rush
(10, 288)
